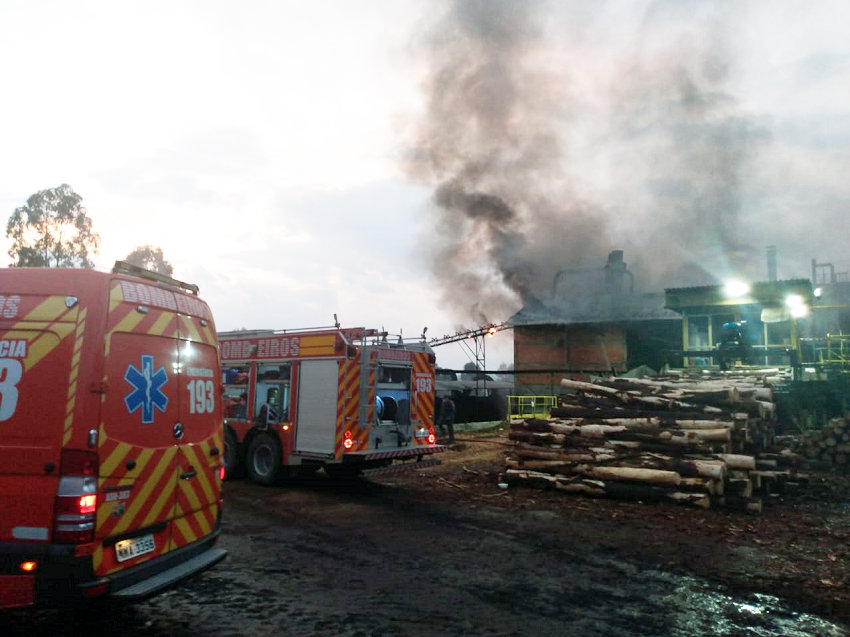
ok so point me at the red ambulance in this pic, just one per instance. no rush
(111, 434)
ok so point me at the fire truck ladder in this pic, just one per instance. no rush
(477, 350)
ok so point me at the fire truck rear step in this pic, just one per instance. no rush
(405, 452)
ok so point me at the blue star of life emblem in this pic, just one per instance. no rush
(147, 389)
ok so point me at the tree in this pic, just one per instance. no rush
(52, 230)
(150, 258)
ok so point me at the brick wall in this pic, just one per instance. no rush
(588, 348)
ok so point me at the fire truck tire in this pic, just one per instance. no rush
(233, 462)
(264, 459)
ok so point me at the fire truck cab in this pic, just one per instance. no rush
(111, 435)
(346, 400)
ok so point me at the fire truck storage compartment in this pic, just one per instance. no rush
(315, 431)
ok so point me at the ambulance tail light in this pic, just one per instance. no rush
(75, 509)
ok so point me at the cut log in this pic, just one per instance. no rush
(592, 388)
(628, 474)
(535, 438)
(711, 487)
(737, 461)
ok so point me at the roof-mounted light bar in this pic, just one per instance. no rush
(122, 267)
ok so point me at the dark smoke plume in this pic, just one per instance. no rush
(544, 158)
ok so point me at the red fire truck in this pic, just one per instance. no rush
(349, 400)
(110, 434)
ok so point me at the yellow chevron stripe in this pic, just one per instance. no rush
(185, 530)
(51, 309)
(201, 519)
(202, 473)
(116, 297)
(161, 323)
(141, 498)
(128, 323)
(191, 496)
(118, 454)
(209, 336)
(45, 343)
(97, 558)
(189, 327)
(103, 511)
(75, 362)
(164, 496)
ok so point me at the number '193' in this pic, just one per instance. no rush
(201, 396)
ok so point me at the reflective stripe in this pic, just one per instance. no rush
(30, 533)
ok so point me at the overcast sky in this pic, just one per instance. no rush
(299, 159)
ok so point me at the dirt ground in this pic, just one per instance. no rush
(444, 552)
(797, 549)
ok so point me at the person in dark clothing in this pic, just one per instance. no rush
(268, 413)
(447, 417)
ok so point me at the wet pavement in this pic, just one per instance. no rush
(320, 558)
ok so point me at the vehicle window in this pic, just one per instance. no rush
(235, 379)
(271, 400)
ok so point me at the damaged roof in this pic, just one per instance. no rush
(603, 308)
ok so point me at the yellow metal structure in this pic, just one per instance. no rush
(531, 406)
(837, 350)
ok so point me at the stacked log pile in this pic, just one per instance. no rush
(829, 447)
(674, 439)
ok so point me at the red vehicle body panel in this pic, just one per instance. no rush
(102, 365)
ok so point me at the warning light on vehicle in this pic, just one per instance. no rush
(348, 443)
(285, 427)
(88, 504)
(348, 434)
(28, 567)
(432, 439)
(221, 473)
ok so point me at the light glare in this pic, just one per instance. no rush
(734, 289)
(793, 300)
(800, 311)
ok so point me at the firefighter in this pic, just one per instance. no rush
(268, 413)
(447, 417)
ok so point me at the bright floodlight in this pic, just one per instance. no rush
(818, 292)
(734, 289)
(800, 311)
(793, 300)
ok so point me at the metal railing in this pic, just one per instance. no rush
(531, 406)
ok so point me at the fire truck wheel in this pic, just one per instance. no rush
(264, 459)
(233, 466)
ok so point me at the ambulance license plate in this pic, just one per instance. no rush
(128, 549)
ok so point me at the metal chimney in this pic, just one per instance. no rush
(771, 263)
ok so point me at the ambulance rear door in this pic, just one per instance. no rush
(201, 443)
(140, 420)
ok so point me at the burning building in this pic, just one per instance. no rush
(593, 324)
